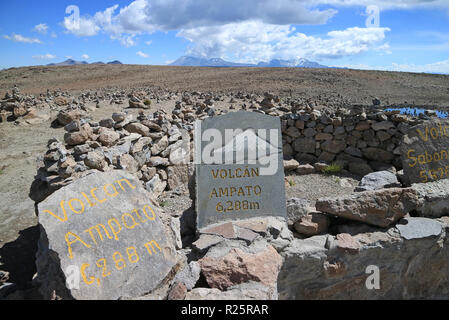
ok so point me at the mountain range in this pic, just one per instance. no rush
(189, 61)
(71, 62)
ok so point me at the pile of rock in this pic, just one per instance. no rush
(16, 106)
(318, 252)
(360, 141)
(151, 148)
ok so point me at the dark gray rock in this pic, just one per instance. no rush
(104, 228)
(425, 151)
(189, 276)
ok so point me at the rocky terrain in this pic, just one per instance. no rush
(59, 124)
(324, 86)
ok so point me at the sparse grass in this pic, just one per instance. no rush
(334, 168)
(163, 204)
(292, 183)
(147, 102)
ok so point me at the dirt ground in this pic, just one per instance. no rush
(352, 86)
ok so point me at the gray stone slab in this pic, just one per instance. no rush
(418, 228)
(110, 232)
(236, 183)
(425, 152)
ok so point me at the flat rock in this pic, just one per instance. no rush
(380, 207)
(206, 241)
(225, 230)
(418, 228)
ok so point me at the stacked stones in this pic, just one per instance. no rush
(144, 147)
(363, 142)
(360, 141)
(17, 106)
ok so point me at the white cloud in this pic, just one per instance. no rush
(247, 31)
(19, 38)
(125, 40)
(85, 57)
(143, 16)
(54, 35)
(143, 55)
(435, 67)
(385, 4)
(255, 41)
(149, 42)
(47, 56)
(41, 28)
(84, 27)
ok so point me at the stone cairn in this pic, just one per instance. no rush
(319, 251)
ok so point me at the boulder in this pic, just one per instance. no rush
(290, 165)
(67, 116)
(312, 224)
(95, 160)
(156, 186)
(108, 137)
(305, 169)
(127, 162)
(378, 180)
(137, 128)
(379, 208)
(102, 238)
(237, 266)
(433, 198)
(78, 137)
(159, 146)
(297, 208)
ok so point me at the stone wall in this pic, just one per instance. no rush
(359, 140)
(412, 260)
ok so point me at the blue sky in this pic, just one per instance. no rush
(412, 35)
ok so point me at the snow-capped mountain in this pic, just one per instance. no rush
(294, 63)
(189, 61)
